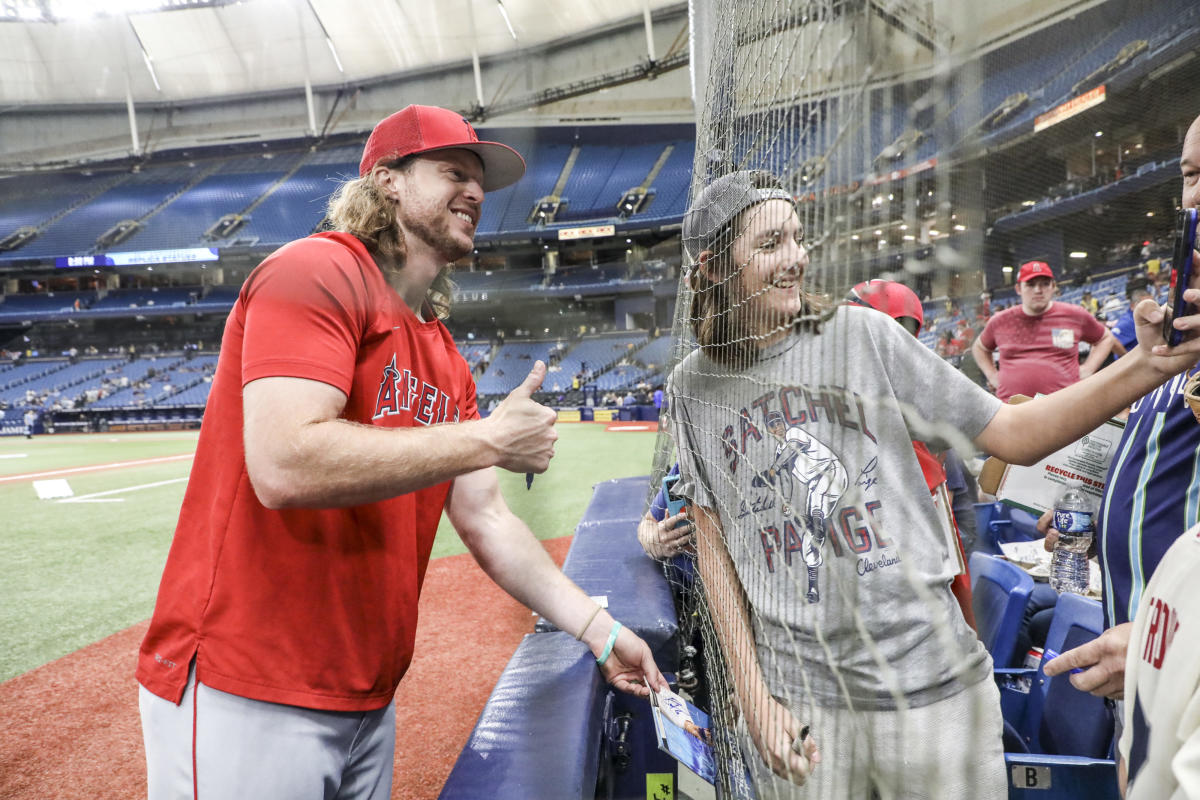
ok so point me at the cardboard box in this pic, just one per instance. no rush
(1035, 488)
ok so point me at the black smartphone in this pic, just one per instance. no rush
(1181, 275)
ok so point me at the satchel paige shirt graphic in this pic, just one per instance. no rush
(807, 458)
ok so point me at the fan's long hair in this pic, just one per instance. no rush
(723, 328)
(360, 207)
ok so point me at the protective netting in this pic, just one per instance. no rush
(840, 141)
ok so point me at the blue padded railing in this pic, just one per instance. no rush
(539, 734)
(545, 729)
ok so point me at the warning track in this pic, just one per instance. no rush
(53, 473)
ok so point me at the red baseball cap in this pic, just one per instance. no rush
(892, 298)
(424, 129)
(1034, 269)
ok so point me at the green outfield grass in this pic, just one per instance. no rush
(76, 572)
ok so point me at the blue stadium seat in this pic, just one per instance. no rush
(999, 522)
(1058, 739)
(999, 593)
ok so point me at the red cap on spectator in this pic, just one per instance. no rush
(423, 129)
(1034, 269)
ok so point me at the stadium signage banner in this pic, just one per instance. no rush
(903, 172)
(133, 258)
(1076, 105)
(588, 232)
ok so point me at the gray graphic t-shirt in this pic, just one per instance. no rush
(807, 458)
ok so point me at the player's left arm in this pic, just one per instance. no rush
(1099, 354)
(512, 556)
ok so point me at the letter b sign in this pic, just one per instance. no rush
(1029, 777)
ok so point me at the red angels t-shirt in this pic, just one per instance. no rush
(309, 607)
(1039, 354)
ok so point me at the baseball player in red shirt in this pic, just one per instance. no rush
(342, 421)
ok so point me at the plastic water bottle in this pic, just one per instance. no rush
(1073, 520)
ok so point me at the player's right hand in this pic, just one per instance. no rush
(523, 431)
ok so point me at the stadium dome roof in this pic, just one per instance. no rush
(68, 52)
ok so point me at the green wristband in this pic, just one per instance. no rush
(608, 646)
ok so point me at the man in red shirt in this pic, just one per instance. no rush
(341, 423)
(1038, 340)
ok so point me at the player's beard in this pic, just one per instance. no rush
(436, 234)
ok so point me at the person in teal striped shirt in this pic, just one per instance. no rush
(1152, 495)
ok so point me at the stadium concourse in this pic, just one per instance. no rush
(152, 153)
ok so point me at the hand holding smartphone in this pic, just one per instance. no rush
(674, 503)
(1181, 276)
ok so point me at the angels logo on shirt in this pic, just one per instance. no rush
(400, 390)
(803, 461)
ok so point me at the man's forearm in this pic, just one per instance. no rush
(337, 463)
(1097, 356)
(511, 555)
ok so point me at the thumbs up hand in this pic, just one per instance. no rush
(522, 430)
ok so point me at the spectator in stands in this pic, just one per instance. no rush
(1149, 495)
(1038, 341)
(853, 389)
(1090, 304)
(341, 424)
(1112, 306)
(1123, 329)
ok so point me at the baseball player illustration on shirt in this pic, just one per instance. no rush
(802, 458)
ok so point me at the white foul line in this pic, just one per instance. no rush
(86, 497)
(95, 467)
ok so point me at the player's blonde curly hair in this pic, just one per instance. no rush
(361, 208)
(723, 328)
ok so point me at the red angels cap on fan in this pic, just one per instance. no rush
(892, 298)
(423, 129)
(1034, 269)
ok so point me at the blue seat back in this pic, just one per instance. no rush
(999, 593)
(1071, 722)
(996, 523)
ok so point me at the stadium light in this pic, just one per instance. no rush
(1006, 269)
(507, 21)
(1078, 254)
